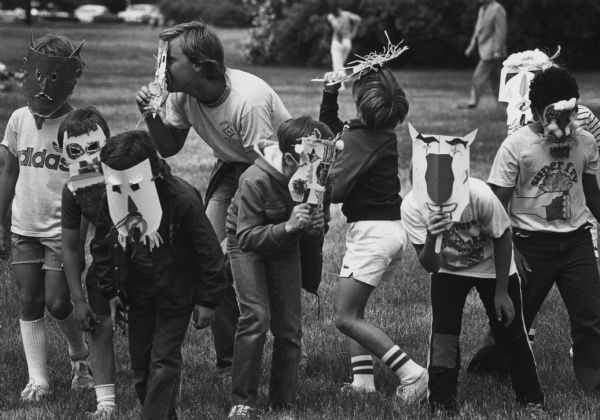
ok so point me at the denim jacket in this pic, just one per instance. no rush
(188, 268)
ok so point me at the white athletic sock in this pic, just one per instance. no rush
(105, 395)
(402, 365)
(35, 344)
(362, 371)
(78, 348)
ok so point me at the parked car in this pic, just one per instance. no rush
(88, 12)
(138, 13)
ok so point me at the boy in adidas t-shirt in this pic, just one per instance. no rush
(476, 252)
(33, 172)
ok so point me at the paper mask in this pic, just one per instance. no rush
(49, 81)
(441, 172)
(82, 154)
(515, 77)
(158, 88)
(560, 122)
(307, 185)
(133, 204)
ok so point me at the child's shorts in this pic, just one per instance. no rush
(32, 250)
(373, 249)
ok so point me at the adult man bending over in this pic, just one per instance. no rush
(230, 110)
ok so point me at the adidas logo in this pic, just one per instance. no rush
(42, 159)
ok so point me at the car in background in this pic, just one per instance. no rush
(139, 13)
(88, 12)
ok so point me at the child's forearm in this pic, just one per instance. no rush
(9, 173)
(502, 259)
(71, 263)
(429, 259)
(328, 112)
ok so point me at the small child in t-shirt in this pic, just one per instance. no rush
(33, 172)
(475, 252)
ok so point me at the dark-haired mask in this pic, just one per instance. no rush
(82, 154)
(559, 122)
(49, 81)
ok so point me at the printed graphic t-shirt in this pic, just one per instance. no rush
(248, 111)
(468, 247)
(548, 192)
(42, 174)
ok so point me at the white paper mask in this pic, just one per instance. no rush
(134, 204)
(441, 172)
(307, 185)
(82, 154)
(560, 122)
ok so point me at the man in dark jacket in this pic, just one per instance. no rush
(161, 282)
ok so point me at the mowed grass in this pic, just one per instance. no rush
(119, 59)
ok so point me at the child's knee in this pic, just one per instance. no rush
(344, 321)
(103, 330)
(31, 306)
(58, 306)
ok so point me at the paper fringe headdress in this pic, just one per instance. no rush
(515, 77)
(133, 204)
(317, 155)
(158, 88)
(371, 62)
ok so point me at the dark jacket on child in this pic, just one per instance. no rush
(364, 176)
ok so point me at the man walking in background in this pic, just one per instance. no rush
(489, 37)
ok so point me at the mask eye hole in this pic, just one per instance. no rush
(74, 150)
(93, 147)
(38, 74)
(54, 76)
(134, 187)
(116, 188)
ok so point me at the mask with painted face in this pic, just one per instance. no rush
(559, 121)
(49, 81)
(133, 204)
(441, 172)
(82, 154)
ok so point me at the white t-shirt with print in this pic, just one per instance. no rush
(42, 175)
(248, 111)
(548, 192)
(468, 247)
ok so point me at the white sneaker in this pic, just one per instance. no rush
(416, 391)
(241, 411)
(351, 388)
(34, 392)
(102, 413)
(81, 375)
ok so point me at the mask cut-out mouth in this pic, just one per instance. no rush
(42, 96)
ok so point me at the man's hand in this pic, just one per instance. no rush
(299, 217)
(143, 98)
(504, 308)
(203, 316)
(3, 240)
(118, 313)
(85, 317)
(437, 223)
(522, 266)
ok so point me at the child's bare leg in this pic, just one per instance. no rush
(102, 360)
(30, 284)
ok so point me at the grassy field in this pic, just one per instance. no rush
(119, 59)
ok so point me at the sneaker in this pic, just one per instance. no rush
(416, 391)
(241, 411)
(34, 392)
(350, 388)
(101, 413)
(82, 375)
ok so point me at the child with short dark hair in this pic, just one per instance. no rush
(365, 179)
(27, 157)
(80, 136)
(545, 175)
(264, 227)
(166, 264)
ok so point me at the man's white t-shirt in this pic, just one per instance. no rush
(548, 192)
(248, 111)
(468, 247)
(42, 175)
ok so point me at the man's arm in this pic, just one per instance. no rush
(499, 32)
(9, 173)
(473, 41)
(169, 140)
(592, 194)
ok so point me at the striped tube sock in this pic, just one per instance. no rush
(105, 395)
(78, 348)
(35, 344)
(362, 371)
(402, 365)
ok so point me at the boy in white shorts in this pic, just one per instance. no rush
(365, 179)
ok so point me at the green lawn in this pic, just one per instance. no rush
(119, 59)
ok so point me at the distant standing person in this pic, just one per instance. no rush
(344, 24)
(489, 37)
